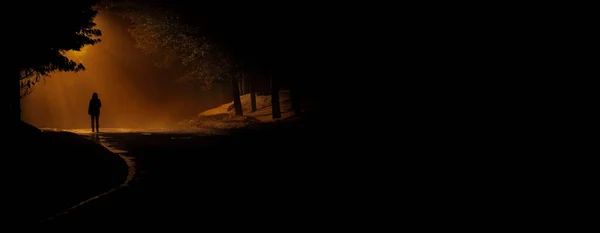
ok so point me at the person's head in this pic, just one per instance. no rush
(95, 95)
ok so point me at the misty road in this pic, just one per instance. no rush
(198, 179)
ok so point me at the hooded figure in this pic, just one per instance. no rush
(94, 111)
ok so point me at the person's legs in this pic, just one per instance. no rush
(92, 118)
(98, 123)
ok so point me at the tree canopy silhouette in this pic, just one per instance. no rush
(40, 40)
(219, 41)
(160, 32)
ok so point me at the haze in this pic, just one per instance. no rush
(134, 93)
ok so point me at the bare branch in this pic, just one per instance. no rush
(30, 78)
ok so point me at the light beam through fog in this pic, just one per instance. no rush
(134, 93)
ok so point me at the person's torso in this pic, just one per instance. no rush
(95, 104)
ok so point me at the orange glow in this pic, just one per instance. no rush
(134, 93)
(78, 56)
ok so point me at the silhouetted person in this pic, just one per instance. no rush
(94, 111)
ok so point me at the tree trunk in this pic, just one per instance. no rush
(237, 102)
(252, 95)
(244, 90)
(241, 81)
(241, 85)
(275, 99)
(15, 98)
(295, 99)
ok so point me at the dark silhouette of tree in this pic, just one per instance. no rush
(40, 40)
(250, 36)
(29, 79)
(237, 102)
(252, 95)
(283, 43)
(276, 113)
(270, 40)
(160, 33)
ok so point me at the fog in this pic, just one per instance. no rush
(134, 93)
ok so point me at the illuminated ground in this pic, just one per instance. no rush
(104, 131)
